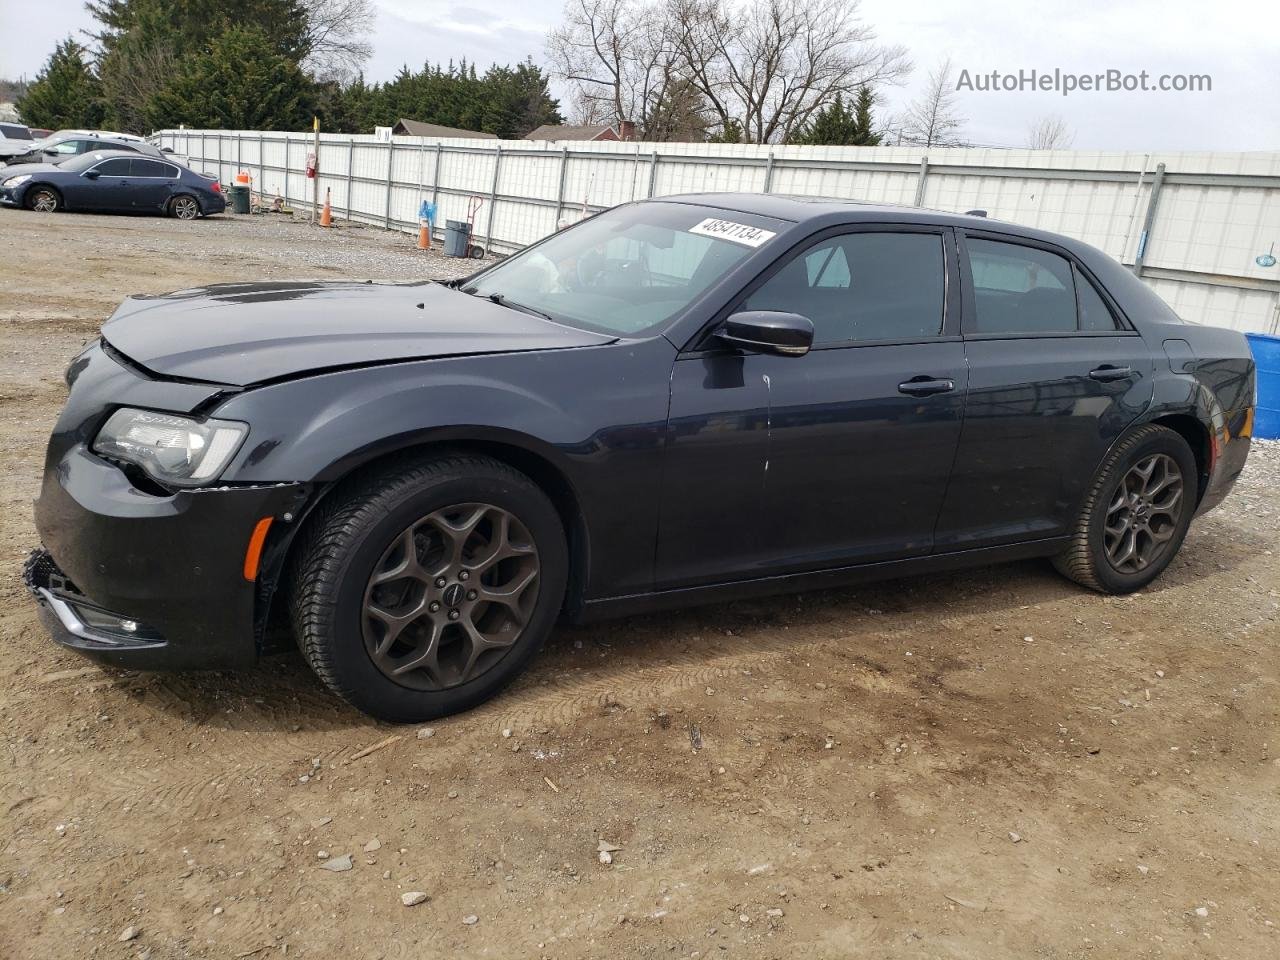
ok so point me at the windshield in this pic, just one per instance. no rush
(627, 270)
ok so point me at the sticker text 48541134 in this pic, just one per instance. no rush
(742, 233)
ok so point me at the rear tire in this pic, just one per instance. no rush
(398, 605)
(1136, 514)
(44, 200)
(184, 207)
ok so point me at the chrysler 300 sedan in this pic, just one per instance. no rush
(673, 402)
(112, 181)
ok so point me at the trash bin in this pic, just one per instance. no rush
(1266, 354)
(457, 234)
(240, 198)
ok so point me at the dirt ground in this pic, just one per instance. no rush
(983, 765)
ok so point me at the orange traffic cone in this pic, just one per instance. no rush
(326, 215)
(424, 237)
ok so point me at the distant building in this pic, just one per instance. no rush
(9, 113)
(626, 130)
(416, 128)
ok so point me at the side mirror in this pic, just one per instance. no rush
(768, 331)
(91, 174)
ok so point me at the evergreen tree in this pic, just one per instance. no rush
(868, 137)
(837, 125)
(65, 93)
(681, 113)
(238, 82)
(516, 101)
(730, 132)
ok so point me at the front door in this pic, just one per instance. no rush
(1055, 376)
(108, 191)
(838, 457)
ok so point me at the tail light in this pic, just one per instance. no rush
(217, 187)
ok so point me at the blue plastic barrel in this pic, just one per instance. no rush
(1266, 354)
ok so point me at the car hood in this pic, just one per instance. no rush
(15, 169)
(248, 333)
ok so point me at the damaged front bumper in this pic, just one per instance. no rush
(154, 582)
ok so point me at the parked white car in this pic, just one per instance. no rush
(15, 138)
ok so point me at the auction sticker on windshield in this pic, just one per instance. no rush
(741, 233)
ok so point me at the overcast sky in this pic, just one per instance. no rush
(1233, 41)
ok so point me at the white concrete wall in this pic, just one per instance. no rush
(1216, 212)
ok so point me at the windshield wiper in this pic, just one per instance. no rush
(502, 301)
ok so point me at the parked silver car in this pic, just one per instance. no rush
(62, 147)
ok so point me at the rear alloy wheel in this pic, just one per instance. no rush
(1136, 514)
(1143, 514)
(44, 200)
(426, 589)
(184, 207)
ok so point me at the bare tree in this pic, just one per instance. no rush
(772, 64)
(1050, 133)
(337, 34)
(764, 66)
(931, 120)
(615, 56)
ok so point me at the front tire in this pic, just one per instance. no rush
(1136, 515)
(44, 200)
(426, 589)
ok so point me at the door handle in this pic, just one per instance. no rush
(926, 386)
(1107, 372)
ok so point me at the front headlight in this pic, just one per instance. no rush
(173, 449)
(17, 181)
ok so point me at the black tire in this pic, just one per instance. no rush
(184, 207)
(1088, 560)
(350, 537)
(44, 199)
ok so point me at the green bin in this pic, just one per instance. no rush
(240, 199)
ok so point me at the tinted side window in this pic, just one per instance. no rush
(115, 167)
(139, 167)
(1021, 289)
(1094, 312)
(862, 286)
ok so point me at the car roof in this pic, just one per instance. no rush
(1134, 297)
(798, 209)
(108, 154)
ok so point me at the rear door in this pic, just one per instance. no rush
(1055, 376)
(152, 183)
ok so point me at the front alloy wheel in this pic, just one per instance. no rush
(450, 596)
(44, 200)
(425, 589)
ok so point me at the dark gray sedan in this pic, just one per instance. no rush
(112, 181)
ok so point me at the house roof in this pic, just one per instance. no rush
(555, 131)
(416, 128)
